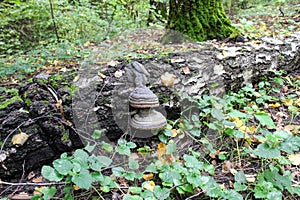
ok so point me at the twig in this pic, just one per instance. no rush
(30, 184)
(175, 186)
(195, 195)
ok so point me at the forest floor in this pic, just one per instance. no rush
(144, 43)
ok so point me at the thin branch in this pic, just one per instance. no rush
(175, 186)
(195, 195)
(30, 184)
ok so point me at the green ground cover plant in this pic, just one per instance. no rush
(246, 134)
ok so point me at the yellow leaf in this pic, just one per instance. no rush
(148, 177)
(76, 78)
(101, 75)
(298, 102)
(161, 149)
(276, 105)
(240, 125)
(76, 187)
(224, 54)
(55, 62)
(38, 190)
(149, 186)
(295, 159)
(20, 138)
(174, 132)
(87, 44)
(288, 102)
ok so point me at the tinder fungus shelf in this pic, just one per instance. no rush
(144, 100)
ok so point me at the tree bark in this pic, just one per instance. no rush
(198, 20)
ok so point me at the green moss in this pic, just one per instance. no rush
(199, 19)
(14, 95)
(7, 102)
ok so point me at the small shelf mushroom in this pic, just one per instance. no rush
(147, 118)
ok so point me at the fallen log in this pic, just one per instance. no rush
(53, 126)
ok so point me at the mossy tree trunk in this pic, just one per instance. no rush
(197, 19)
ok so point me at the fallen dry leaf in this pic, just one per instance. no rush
(250, 178)
(285, 89)
(292, 128)
(113, 63)
(76, 78)
(161, 149)
(38, 179)
(186, 70)
(295, 159)
(21, 196)
(38, 190)
(76, 187)
(226, 167)
(233, 171)
(162, 156)
(30, 175)
(118, 73)
(148, 177)
(20, 139)
(101, 75)
(167, 79)
(276, 105)
(288, 102)
(149, 186)
(174, 132)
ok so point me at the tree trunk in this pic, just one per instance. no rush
(198, 20)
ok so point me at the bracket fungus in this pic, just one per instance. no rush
(144, 100)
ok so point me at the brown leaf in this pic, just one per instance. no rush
(186, 70)
(21, 196)
(30, 175)
(168, 79)
(38, 180)
(292, 128)
(226, 167)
